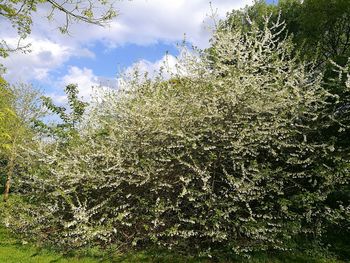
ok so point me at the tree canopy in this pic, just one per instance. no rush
(225, 157)
(7, 116)
(18, 107)
(321, 25)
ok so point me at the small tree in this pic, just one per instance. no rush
(66, 128)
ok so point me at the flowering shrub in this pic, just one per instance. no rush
(224, 156)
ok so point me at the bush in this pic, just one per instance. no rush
(224, 156)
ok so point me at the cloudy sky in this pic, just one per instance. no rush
(143, 33)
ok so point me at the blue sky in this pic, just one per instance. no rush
(142, 34)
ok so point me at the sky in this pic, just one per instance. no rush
(145, 33)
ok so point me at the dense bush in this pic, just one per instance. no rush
(223, 155)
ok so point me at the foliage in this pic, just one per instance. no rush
(20, 106)
(67, 128)
(224, 157)
(313, 23)
(19, 13)
(7, 115)
(320, 32)
(7, 118)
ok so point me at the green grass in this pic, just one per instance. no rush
(12, 250)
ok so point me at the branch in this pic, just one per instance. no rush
(96, 21)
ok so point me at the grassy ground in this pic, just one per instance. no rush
(12, 250)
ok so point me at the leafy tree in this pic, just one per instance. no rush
(19, 106)
(314, 24)
(6, 113)
(320, 30)
(66, 129)
(222, 158)
(326, 24)
(7, 116)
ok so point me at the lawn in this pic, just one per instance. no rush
(12, 250)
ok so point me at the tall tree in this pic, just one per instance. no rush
(314, 24)
(18, 107)
(320, 31)
(8, 119)
(7, 114)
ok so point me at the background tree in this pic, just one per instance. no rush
(66, 128)
(320, 31)
(314, 24)
(6, 112)
(7, 116)
(20, 106)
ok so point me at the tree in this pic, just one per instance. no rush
(326, 24)
(320, 31)
(313, 24)
(66, 129)
(7, 116)
(6, 113)
(20, 13)
(20, 105)
(224, 157)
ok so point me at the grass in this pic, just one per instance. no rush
(12, 250)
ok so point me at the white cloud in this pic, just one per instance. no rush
(44, 56)
(167, 63)
(88, 84)
(84, 78)
(168, 66)
(141, 22)
(58, 99)
(146, 22)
